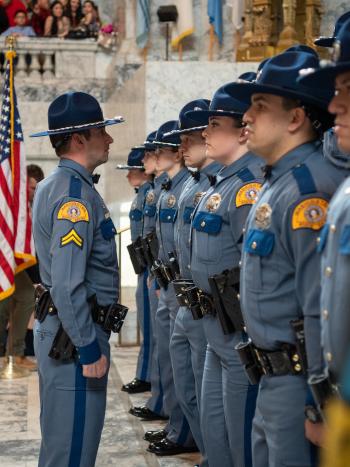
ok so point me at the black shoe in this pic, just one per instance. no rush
(135, 386)
(168, 448)
(153, 436)
(146, 414)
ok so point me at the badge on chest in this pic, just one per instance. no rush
(213, 202)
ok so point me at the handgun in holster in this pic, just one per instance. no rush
(137, 257)
(162, 273)
(150, 248)
(225, 291)
(250, 361)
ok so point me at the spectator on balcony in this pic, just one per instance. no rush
(11, 7)
(21, 29)
(57, 24)
(4, 22)
(75, 14)
(41, 11)
(91, 20)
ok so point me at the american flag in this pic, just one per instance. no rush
(16, 240)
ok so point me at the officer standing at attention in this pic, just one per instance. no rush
(75, 242)
(140, 181)
(228, 399)
(169, 160)
(334, 243)
(188, 343)
(280, 285)
(153, 409)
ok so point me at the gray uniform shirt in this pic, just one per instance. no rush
(75, 242)
(218, 221)
(150, 207)
(167, 210)
(195, 187)
(334, 243)
(136, 211)
(280, 278)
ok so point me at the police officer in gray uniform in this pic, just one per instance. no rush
(153, 409)
(75, 242)
(179, 438)
(188, 343)
(334, 238)
(228, 399)
(140, 181)
(280, 285)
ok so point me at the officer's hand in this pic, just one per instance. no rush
(97, 369)
(314, 432)
(158, 293)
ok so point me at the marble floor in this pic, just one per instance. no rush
(122, 442)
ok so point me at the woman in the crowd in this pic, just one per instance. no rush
(75, 13)
(57, 24)
(91, 18)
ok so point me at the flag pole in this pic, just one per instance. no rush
(211, 42)
(10, 369)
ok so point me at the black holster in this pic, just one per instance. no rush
(322, 390)
(150, 248)
(180, 288)
(225, 291)
(162, 273)
(250, 362)
(62, 348)
(298, 329)
(196, 300)
(137, 256)
(174, 265)
(43, 303)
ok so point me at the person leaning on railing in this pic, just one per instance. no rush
(91, 20)
(57, 24)
(40, 12)
(20, 29)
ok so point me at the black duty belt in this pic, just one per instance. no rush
(200, 303)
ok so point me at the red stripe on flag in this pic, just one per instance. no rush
(5, 266)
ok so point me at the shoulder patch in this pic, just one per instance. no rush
(310, 214)
(247, 194)
(72, 237)
(73, 211)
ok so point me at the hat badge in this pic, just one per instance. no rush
(336, 52)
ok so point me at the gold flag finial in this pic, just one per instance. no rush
(10, 42)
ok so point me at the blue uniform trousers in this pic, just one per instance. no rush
(72, 407)
(228, 400)
(278, 429)
(155, 402)
(187, 349)
(144, 361)
(177, 427)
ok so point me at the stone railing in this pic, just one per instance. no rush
(48, 58)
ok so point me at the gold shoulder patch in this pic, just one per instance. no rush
(73, 211)
(247, 194)
(310, 214)
(72, 237)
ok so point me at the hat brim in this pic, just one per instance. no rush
(141, 147)
(246, 90)
(75, 129)
(166, 145)
(185, 130)
(150, 147)
(130, 167)
(201, 114)
(324, 77)
(324, 41)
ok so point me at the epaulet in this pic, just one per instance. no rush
(304, 179)
(246, 175)
(75, 187)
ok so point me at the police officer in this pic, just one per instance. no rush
(280, 285)
(334, 246)
(188, 343)
(228, 400)
(153, 409)
(140, 181)
(75, 242)
(170, 160)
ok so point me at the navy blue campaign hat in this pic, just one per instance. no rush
(247, 76)
(134, 160)
(279, 77)
(328, 41)
(186, 124)
(302, 48)
(75, 111)
(325, 74)
(148, 144)
(222, 105)
(172, 139)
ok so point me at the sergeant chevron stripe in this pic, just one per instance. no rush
(72, 237)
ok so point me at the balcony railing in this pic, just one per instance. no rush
(48, 58)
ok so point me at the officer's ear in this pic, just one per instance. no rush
(243, 136)
(297, 119)
(77, 141)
